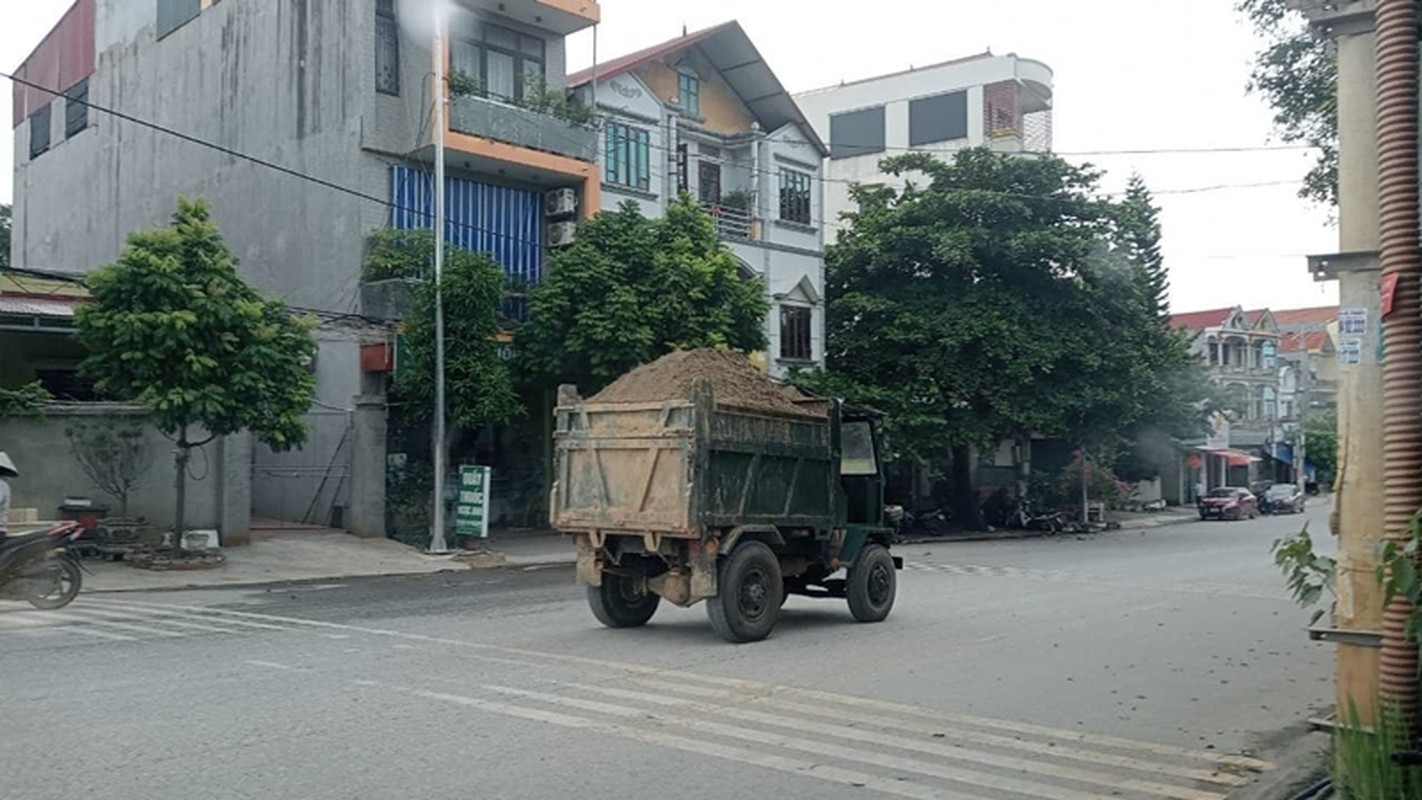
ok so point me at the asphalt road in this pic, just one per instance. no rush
(1168, 663)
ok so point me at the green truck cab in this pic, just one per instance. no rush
(689, 500)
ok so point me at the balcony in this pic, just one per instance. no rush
(489, 119)
(732, 223)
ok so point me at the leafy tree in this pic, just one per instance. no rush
(173, 326)
(478, 387)
(632, 289)
(1321, 444)
(1002, 298)
(24, 401)
(6, 223)
(1297, 74)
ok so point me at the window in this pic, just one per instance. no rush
(795, 196)
(857, 133)
(387, 48)
(76, 108)
(795, 333)
(938, 119)
(39, 131)
(688, 88)
(507, 64)
(856, 450)
(174, 14)
(628, 162)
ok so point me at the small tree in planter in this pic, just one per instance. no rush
(114, 456)
(173, 326)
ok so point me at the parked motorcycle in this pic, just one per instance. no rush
(41, 567)
(1029, 519)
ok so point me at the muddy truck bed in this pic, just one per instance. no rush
(684, 466)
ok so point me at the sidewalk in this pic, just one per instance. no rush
(282, 554)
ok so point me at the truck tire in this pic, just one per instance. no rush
(618, 604)
(872, 585)
(749, 590)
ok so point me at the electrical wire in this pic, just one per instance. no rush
(261, 162)
(356, 193)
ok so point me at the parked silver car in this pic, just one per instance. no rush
(1285, 498)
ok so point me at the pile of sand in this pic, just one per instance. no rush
(734, 382)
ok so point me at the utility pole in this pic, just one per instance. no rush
(437, 542)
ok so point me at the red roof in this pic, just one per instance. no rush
(1200, 320)
(632, 61)
(1320, 315)
(1251, 318)
(1303, 342)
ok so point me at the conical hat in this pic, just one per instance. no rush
(6, 465)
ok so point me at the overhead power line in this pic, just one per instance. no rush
(361, 195)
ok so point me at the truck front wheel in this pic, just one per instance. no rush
(620, 603)
(872, 585)
(749, 590)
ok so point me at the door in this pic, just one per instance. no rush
(708, 175)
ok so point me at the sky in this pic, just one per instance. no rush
(1130, 75)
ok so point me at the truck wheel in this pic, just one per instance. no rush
(749, 591)
(617, 603)
(872, 585)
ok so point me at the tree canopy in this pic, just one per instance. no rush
(479, 389)
(1297, 75)
(173, 326)
(631, 289)
(998, 296)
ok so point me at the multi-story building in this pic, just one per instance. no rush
(1308, 340)
(341, 93)
(704, 114)
(1003, 102)
(1241, 351)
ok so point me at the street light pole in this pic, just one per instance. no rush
(437, 541)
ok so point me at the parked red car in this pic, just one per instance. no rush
(1229, 502)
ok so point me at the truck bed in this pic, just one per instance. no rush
(684, 467)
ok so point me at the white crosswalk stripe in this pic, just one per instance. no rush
(1062, 576)
(118, 620)
(872, 745)
(885, 753)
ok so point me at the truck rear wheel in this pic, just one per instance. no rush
(619, 603)
(872, 585)
(749, 592)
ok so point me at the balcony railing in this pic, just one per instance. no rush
(477, 116)
(731, 222)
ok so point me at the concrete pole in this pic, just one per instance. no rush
(440, 446)
(1358, 515)
(367, 509)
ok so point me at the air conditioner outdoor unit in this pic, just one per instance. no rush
(561, 234)
(560, 202)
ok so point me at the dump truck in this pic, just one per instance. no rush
(709, 492)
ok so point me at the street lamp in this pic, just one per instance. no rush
(437, 541)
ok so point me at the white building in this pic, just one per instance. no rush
(704, 114)
(1004, 102)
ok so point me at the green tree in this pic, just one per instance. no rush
(1321, 444)
(632, 289)
(478, 387)
(173, 326)
(1297, 74)
(6, 222)
(1001, 298)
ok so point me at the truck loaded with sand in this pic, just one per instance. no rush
(696, 477)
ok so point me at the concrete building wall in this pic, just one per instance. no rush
(216, 491)
(280, 83)
(894, 93)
